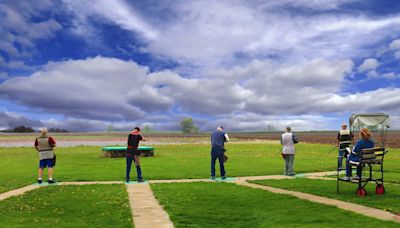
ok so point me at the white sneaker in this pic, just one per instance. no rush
(346, 178)
(356, 177)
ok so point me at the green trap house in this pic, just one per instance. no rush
(119, 151)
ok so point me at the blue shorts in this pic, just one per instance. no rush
(46, 163)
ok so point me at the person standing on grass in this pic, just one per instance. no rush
(133, 154)
(355, 156)
(218, 139)
(288, 151)
(44, 144)
(344, 139)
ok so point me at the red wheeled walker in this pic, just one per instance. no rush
(376, 122)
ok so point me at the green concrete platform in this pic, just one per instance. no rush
(120, 151)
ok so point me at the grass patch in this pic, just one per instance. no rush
(18, 166)
(327, 188)
(68, 206)
(229, 205)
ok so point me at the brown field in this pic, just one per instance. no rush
(119, 138)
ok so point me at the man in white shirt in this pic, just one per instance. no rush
(288, 151)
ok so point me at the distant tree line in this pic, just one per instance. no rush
(25, 129)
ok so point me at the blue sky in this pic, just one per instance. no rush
(85, 65)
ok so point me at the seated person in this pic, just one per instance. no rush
(355, 156)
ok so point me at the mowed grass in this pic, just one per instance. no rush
(18, 166)
(230, 205)
(389, 201)
(68, 206)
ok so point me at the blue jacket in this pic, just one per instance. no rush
(363, 144)
(218, 139)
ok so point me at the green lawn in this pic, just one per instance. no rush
(230, 205)
(388, 201)
(18, 166)
(68, 206)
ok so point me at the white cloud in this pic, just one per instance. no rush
(368, 65)
(121, 14)
(395, 45)
(97, 88)
(108, 90)
(17, 29)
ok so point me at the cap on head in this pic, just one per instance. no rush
(220, 129)
(344, 125)
(43, 131)
(137, 129)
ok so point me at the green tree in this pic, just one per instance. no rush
(110, 128)
(147, 129)
(188, 126)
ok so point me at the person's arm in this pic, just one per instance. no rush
(52, 142)
(141, 137)
(226, 137)
(357, 148)
(36, 144)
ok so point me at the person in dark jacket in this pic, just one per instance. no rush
(133, 154)
(355, 156)
(218, 139)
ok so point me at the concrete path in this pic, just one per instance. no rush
(18, 191)
(146, 211)
(356, 208)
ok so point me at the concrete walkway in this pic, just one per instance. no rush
(18, 191)
(356, 208)
(146, 211)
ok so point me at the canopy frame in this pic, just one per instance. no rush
(373, 121)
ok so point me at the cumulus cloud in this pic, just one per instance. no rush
(210, 33)
(17, 29)
(368, 65)
(395, 47)
(97, 88)
(112, 90)
(10, 120)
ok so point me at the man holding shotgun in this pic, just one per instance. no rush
(288, 151)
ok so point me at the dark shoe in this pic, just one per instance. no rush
(213, 177)
(292, 174)
(39, 181)
(223, 178)
(51, 182)
(140, 180)
(127, 180)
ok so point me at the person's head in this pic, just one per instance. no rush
(43, 131)
(137, 129)
(288, 129)
(344, 126)
(220, 129)
(365, 133)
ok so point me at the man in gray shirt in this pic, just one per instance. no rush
(288, 151)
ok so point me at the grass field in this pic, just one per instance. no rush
(68, 206)
(188, 204)
(18, 166)
(347, 192)
(229, 205)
